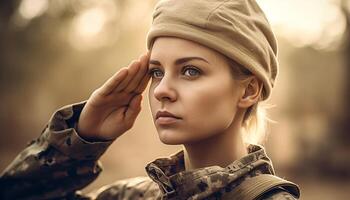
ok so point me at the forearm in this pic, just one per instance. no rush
(55, 165)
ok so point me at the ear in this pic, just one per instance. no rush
(251, 93)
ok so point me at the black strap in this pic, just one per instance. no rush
(255, 187)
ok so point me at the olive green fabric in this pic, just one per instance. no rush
(59, 164)
(236, 28)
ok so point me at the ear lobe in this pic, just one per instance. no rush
(252, 92)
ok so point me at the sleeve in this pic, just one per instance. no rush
(132, 188)
(55, 165)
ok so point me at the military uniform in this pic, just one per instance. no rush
(60, 163)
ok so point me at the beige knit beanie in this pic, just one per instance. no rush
(235, 28)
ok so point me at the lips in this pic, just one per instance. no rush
(166, 114)
(166, 119)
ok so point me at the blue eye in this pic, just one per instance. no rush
(191, 71)
(155, 73)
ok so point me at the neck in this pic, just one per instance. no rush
(221, 150)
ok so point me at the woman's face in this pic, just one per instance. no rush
(193, 83)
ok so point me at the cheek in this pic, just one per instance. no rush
(211, 108)
(151, 100)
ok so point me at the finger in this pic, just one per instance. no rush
(132, 70)
(138, 76)
(133, 109)
(113, 82)
(143, 84)
(145, 59)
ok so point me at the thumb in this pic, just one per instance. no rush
(134, 108)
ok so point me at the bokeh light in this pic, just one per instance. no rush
(319, 23)
(93, 27)
(30, 9)
(90, 22)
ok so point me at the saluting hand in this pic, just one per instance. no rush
(112, 109)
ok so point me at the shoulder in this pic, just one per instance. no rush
(278, 194)
(273, 187)
(267, 187)
(132, 188)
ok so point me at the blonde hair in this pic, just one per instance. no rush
(255, 119)
(255, 123)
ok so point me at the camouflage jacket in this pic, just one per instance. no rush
(60, 163)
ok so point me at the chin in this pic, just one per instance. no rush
(170, 137)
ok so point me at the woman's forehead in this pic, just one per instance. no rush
(176, 48)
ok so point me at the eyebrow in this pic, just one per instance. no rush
(180, 60)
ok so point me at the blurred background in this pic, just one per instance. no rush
(56, 52)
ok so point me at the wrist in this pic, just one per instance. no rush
(88, 136)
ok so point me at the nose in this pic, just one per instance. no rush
(165, 90)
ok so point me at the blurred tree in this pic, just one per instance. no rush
(7, 8)
(41, 69)
(320, 107)
(345, 125)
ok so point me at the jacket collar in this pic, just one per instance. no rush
(169, 173)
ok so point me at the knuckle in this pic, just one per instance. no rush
(134, 62)
(96, 92)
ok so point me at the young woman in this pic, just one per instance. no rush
(210, 64)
